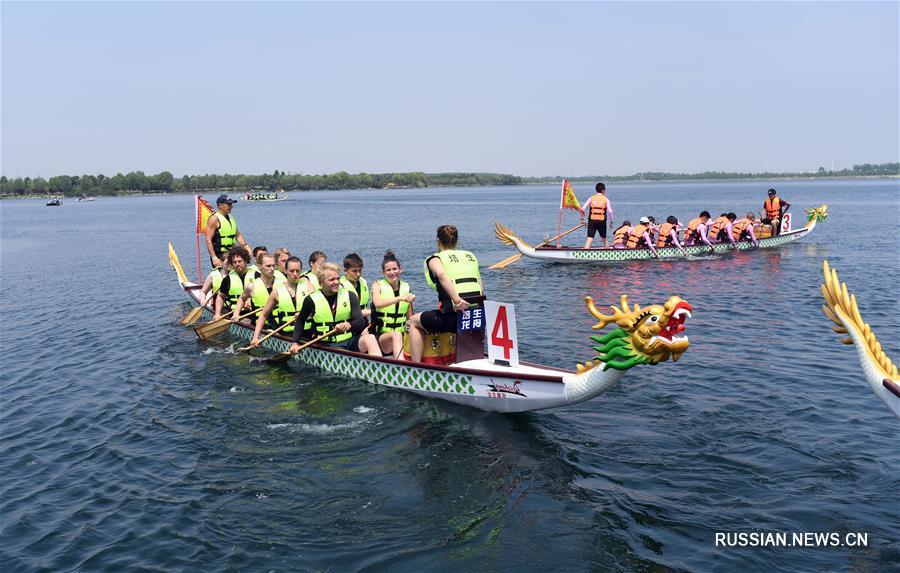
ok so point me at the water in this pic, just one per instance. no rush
(128, 445)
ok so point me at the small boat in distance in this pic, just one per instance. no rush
(54, 202)
(265, 197)
(84, 198)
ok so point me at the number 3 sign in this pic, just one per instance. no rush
(503, 345)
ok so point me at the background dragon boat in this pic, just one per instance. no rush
(643, 335)
(840, 307)
(260, 197)
(610, 255)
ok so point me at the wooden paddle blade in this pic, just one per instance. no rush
(192, 316)
(212, 329)
(279, 358)
(506, 262)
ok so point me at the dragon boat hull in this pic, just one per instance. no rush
(610, 255)
(477, 383)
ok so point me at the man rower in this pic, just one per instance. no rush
(599, 209)
(232, 286)
(720, 230)
(640, 236)
(774, 208)
(354, 281)
(257, 291)
(284, 301)
(453, 273)
(620, 236)
(334, 307)
(668, 234)
(281, 257)
(743, 229)
(696, 231)
(392, 302)
(222, 231)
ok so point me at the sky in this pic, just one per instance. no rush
(531, 89)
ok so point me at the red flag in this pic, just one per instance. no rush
(204, 210)
(568, 199)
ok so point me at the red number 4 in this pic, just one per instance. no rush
(501, 327)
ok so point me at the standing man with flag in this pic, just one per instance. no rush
(599, 210)
(222, 231)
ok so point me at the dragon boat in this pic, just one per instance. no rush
(643, 335)
(563, 254)
(263, 197)
(840, 307)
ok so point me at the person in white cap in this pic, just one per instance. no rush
(222, 231)
(640, 236)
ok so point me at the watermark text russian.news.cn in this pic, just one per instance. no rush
(791, 539)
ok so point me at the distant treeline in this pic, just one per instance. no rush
(864, 170)
(137, 182)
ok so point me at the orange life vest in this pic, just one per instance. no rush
(664, 239)
(598, 212)
(773, 208)
(717, 226)
(738, 228)
(621, 235)
(691, 232)
(637, 235)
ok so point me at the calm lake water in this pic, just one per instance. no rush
(127, 445)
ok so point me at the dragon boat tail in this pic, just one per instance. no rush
(609, 255)
(642, 336)
(840, 307)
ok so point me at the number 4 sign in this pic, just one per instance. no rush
(503, 345)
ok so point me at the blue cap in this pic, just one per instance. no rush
(225, 199)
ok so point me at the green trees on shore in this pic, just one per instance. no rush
(137, 182)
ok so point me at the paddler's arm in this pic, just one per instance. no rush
(752, 234)
(437, 269)
(383, 301)
(357, 321)
(702, 230)
(307, 310)
(245, 296)
(673, 232)
(211, 225)
(609, 212)
(264, 313)
(207, 286)
(729, 232)
(649, 242)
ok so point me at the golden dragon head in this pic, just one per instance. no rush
(645, 335)
(818, 214)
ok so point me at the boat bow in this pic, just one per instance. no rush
(508, 237)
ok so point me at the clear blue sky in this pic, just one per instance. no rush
(522, 88)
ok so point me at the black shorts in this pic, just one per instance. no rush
(351, 344)
(436, 322)
(596, 227)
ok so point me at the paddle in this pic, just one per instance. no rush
(214, 328)
(266, 337)
(509, 260)
(192, 316)
(283, 357)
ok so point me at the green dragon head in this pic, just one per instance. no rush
(646, 335)
(818, 214)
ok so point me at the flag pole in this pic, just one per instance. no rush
(562, 196)
(197, 218)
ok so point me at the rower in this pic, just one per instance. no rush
(284, 301)
(639, 236)
(222, 231)
(281, 257)
(668, 234)
(392, 304)
(316, 258)
(257, 291)
(232, 285)
(253, 269)
(213, 281)
(774, 207)
(743, 229)
(720, 230)
(695, 234)
(453, 273)
(620, 236)
(353, 280)
(335, 307)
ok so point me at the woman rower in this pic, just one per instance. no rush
(213, 281)
(392, 304)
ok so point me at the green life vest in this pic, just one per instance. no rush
(217, 277)
(461, 267)
(260, 295)
(252, 272)
(313, 279)
(279, 277)
(223, 240)
(235, 288)
(363, 290)
(323, 320)
(302, 293)
(285, 309)
(391, 318)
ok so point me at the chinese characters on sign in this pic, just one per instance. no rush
(470, 320)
